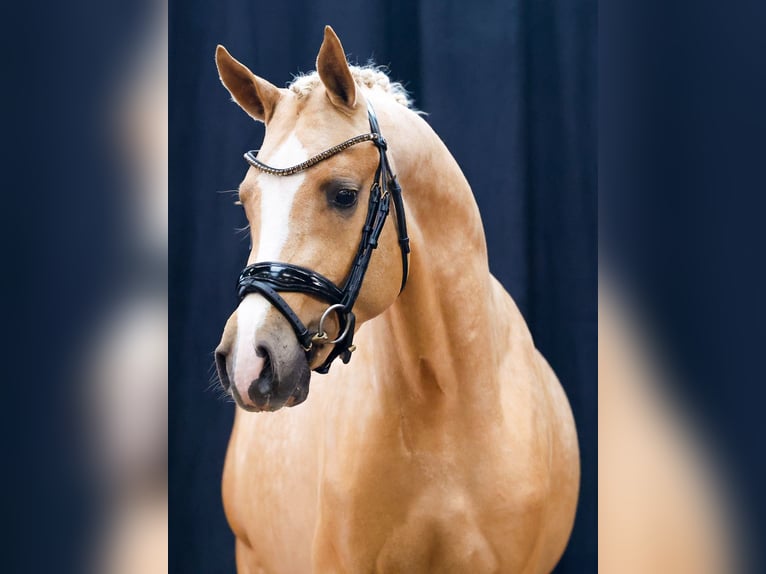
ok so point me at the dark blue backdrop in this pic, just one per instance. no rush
(510, 88)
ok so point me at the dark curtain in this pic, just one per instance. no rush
(510, 88)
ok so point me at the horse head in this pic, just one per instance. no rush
(311, 219)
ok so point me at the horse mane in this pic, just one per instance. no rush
(370, 76)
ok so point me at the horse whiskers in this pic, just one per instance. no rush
(221, 394)
(231, 192)
(215, 386)
(214, 381)
(243, 232)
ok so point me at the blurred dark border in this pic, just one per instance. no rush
(681, 198)
(69, 256)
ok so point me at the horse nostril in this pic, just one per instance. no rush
(220, 365)
(265, 385)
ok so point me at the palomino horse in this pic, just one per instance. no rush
(446, 444)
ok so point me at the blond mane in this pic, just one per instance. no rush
(371, 77)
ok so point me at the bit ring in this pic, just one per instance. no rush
(321, 335)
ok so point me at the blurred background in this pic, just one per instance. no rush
(682, 314)
(85, 210)
(510, 88)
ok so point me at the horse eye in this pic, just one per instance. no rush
(345, 198)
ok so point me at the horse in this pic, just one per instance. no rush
(446, 443)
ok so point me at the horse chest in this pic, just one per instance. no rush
(370, 494)
(420, 530)
(383, 510)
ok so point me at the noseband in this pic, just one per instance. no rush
(269, 278)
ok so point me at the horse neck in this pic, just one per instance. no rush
(442, 325)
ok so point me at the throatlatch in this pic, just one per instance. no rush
(270, 278)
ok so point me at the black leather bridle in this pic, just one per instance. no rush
(269, 278)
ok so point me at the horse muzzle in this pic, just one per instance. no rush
(267, 371)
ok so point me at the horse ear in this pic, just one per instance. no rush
(334, 71)
(253, 94)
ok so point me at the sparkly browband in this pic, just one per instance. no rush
(252, 160)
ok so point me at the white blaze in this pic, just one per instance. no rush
(276, 195)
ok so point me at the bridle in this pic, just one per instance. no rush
(269, 278)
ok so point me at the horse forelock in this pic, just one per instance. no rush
(371, 77)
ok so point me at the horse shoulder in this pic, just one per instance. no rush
(541, 457)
